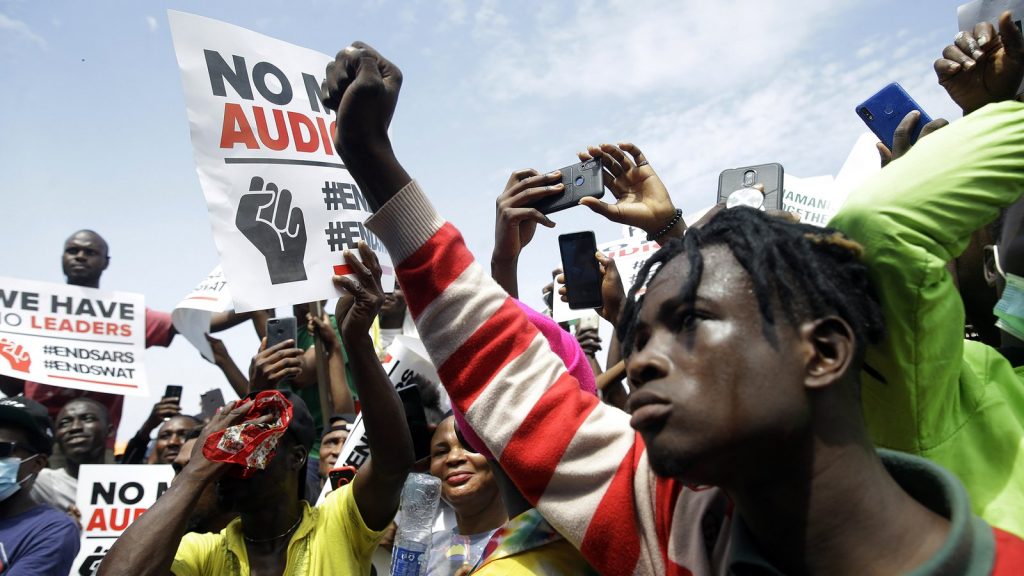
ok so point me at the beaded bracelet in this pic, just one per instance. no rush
(671, 224)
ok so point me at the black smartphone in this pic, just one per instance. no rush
(736, 186)
(884, 111)
(340, 476)
(209, 402)
(582, 273)
(173, 391)
(580, 180)
(280, 329)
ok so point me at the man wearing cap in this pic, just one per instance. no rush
(34, 538)
(332, 442)
(277, 532)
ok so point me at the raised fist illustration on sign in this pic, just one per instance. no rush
(16, 356)
(267, 219)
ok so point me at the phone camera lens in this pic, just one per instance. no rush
(867, 114)
(580, 180)
(748, 178)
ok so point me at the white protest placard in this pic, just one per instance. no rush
(815, 200)
(282, 205)
(110, 497)
(560, 311)
(629, 254)
(861, 164)
(73, 337)
(989, 11)
(191, 317)
(407, 365)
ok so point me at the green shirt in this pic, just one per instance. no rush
(925, 390)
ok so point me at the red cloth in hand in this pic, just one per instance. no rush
(252, 445)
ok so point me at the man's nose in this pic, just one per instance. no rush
(649, 364)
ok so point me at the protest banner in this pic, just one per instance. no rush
(111, 497)
(72, 336)
(281, 204)
(815, 200)
(191, 317)
(407, 365)
(989, 11)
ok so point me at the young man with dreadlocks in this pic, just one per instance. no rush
(746, 350)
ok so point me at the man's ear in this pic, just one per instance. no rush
(831, 347)
(988, 259)
(297, 457)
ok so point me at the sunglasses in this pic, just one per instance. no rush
(7, 448)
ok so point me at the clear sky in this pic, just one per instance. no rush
(94, 131)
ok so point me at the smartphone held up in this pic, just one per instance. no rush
(581, 269)
(758, 187)
(580, 180)
(883, 112)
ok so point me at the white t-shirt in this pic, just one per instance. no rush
(56, 488)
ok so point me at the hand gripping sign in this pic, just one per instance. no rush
(282, 205)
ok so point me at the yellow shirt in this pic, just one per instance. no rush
(331, 539)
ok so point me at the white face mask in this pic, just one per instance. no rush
(9, 483)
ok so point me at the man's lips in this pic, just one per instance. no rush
(76, 440)
(649, 409)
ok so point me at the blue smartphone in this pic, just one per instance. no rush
(884, 111)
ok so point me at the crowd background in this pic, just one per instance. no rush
(90, 82)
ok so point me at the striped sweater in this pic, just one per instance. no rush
(574, 458)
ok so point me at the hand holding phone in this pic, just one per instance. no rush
(883, 112)
(281, 329)
(759, 187)
(582, 273)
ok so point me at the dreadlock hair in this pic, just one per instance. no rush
(809, 272)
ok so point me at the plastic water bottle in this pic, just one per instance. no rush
(420, 496)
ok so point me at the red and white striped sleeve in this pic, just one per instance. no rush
(577, 460)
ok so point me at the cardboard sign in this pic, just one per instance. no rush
(281, 203)
(110, 497)
(407, 365)
(191, 317)
(816, 200)
(861, 164)
(989, 11)
(73, 337)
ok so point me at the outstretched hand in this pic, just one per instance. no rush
(641, 198)
(981, 66)
(362, 295)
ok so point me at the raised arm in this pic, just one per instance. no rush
(516, 222)
(378, 485)
(498, 369)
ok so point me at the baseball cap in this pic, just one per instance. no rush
(31, 417)
(302, 425)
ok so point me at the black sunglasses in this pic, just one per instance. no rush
(7, 448)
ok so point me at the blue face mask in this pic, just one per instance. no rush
(9, 483)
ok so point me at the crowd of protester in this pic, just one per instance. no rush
(778, 398)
